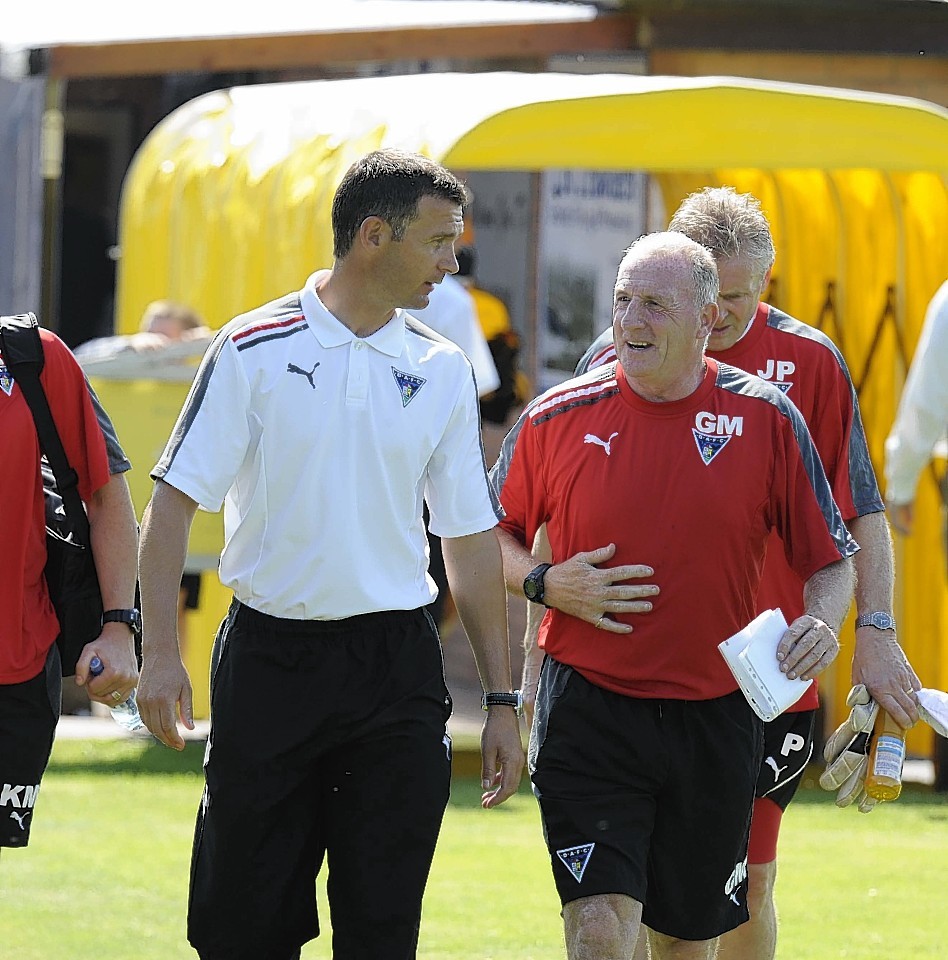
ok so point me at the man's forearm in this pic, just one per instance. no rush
(164, 543)
(878, 660)
(828, 593)
(113, 530)
(518, 561)
(475, 574)
(874, 563)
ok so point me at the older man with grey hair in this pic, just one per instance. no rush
(660, 479)
(806, 365)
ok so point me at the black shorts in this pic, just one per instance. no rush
(29, 712)
(327, 740)
(647, 798)
(788, 747)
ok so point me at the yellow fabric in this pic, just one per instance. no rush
(491, 313)
(227, 205)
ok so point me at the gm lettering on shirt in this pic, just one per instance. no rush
(719, 424)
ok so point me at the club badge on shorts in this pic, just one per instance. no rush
(576, 859)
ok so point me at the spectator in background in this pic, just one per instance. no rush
(450, 312)
(502, 341)
(163, 322)
(919, 424)
(921, 418)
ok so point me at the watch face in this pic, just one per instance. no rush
(531, 589)
(881, 621)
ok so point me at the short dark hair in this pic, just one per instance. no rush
(388, 184)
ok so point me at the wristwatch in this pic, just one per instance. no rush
(879, 620)
(514, 700)
(533, 583)
(131, 617)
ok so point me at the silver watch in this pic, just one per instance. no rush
(879, 620)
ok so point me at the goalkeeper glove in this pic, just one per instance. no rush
(847, 752)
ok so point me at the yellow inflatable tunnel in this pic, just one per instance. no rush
(227, 205)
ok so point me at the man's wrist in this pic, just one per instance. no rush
(512, 699)
(877, 619)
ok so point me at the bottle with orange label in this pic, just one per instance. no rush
(884, 775)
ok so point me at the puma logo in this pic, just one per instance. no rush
(773, 765)
(20, 817)
(605, 444)
(293, 368)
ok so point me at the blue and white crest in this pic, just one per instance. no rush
(6, 379)
(576, 859)
(782, 385)
(709, 446)
(408, 385)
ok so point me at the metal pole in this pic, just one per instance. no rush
(51, 158)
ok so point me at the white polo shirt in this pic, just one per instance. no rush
(321, 447)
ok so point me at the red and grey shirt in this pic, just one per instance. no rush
(693, 488)
(809, 369)
(29, 621)
(321, 447)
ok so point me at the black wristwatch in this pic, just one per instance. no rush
(514, 700)
(131, 617)
(533, 588)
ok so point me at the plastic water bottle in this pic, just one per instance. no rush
(884, 776)
(125, 714)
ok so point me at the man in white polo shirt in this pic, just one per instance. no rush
(322, 422)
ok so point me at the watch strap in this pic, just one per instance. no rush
(131, 617)
(514, 699)
(533, 586)
(878, 619)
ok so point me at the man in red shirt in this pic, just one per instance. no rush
(809, 369)
(30, 670)
(672, 460)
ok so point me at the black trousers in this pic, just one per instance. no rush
(327, 742)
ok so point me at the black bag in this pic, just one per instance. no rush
(70, 567)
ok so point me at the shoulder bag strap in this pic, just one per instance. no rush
(23, 355)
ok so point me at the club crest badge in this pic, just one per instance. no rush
(6, 379)
(576, 859)
(708, 446)
(713, 432)
(408, 385)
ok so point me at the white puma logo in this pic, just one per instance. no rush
(605, 444)
(20, 817)
(777, 770)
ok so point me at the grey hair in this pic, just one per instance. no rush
(728, 223)
(704, 271)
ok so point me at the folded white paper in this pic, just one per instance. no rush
(752, 656)
(933, 707)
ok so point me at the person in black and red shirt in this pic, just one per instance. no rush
(806, 365)
(30, 668)
(675, 469)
